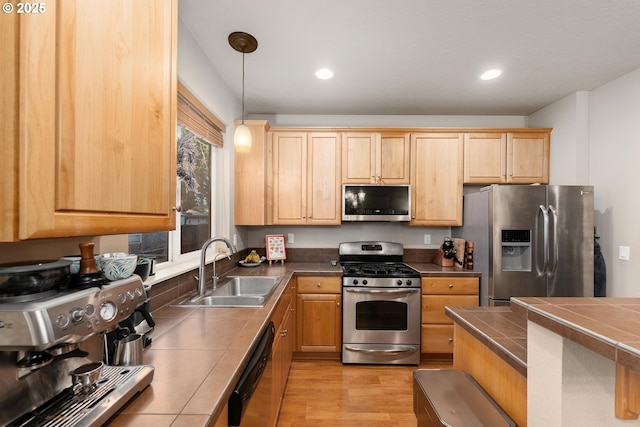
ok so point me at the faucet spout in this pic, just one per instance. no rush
(203, 258)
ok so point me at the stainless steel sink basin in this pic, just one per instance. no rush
(236, 291)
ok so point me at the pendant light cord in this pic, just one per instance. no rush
(243, 87)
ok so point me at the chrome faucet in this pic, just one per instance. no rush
(203, 257)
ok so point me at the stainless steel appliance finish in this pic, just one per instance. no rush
(68, 316)
(116, 384)
(44, 341)
(530, 240)
(366, 202)
(381, 305)
(449, 397)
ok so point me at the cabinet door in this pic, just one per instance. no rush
(393, 158)
(436, 178)
(528, 157)
(359, 157)
(485, 158)
(252, 176)
(289, 177)
(319, 321)
(95, 142)
(323, 190)
(437, 339)
(433, 306)
(375, 158)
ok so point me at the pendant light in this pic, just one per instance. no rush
(245, 43)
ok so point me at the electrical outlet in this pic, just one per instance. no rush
(427, 239)
(623, 253)
(290, 238)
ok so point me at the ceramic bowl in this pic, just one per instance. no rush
(117, 266)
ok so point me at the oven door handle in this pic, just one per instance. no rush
(382, 291)
(392, 351)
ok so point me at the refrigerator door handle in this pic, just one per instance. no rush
(545, 241)
(553, 270)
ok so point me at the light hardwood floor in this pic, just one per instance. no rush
(329, 394)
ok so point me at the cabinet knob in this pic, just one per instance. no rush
(450, 285)
(177, 208)
(338, 304)
(318, 284)
(450, 340)
(292, 309)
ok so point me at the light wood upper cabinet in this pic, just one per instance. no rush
(252, 174)
(306, 178)
(507, 157)
(485, 158)
(528, 157)
(436, 178)
(90, 102)
(375, 158)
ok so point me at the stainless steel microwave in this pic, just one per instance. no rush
(364, 202)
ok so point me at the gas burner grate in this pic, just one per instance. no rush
(116, 386)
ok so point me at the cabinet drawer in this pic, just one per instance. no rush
(437, 339)
(319, 285)
(450, 285)
(433, 306)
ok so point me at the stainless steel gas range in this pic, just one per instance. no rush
(381, 304)
(50, 340)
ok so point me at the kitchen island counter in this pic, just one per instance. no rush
(559, 336)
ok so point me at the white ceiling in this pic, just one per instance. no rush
(416, 57)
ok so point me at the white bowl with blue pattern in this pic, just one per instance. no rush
(117, 266)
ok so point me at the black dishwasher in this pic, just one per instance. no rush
(250, 400)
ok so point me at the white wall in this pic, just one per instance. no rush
(615, 173)
(198, 75)
(596, 140)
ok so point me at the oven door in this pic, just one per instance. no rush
(381, 325)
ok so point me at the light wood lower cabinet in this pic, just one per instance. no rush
(437, 293)
(282, 350)
(319, 314)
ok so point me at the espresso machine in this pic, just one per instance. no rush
(51, 354)
(136, 326)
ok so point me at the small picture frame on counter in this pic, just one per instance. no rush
(275, 247)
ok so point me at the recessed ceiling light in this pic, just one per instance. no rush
(324, 74)
(490, 74)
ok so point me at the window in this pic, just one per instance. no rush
(198, 135)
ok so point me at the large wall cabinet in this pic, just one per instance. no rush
(375, 158)
(436, 178)
(306, 178)
(90, 107)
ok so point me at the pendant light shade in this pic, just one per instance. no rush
(242, 138)
(245, 43)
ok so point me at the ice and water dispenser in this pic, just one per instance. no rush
(516, 250)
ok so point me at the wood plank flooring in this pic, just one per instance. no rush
(329, 394)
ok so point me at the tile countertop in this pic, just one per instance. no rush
(199, 353)
(607, 326)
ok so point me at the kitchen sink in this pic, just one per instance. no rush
(236, 291)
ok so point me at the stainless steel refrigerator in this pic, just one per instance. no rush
(530, 240)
